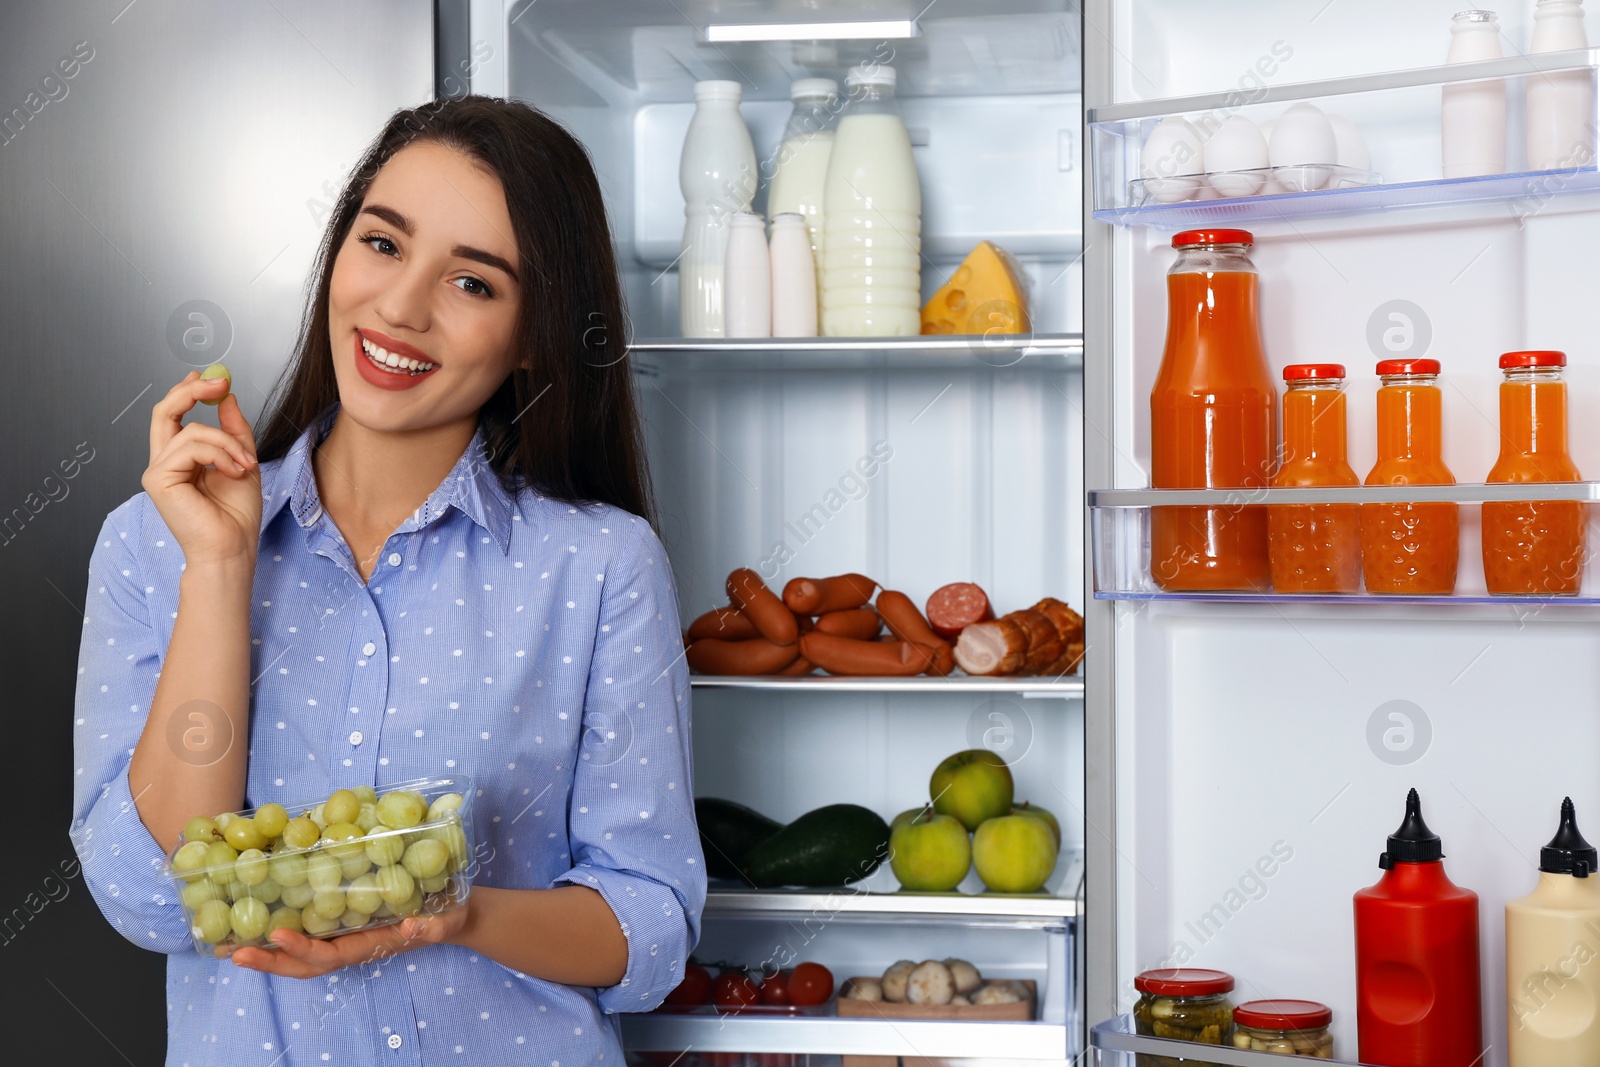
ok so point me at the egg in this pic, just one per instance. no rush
(1303, 136)
(1171, 161)
(1235, 150)
(1350, 150)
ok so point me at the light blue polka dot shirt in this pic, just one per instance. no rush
(528, 643)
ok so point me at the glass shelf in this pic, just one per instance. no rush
(1120, 531)
(1068, 688)
(711, 1032)
(1396, 117)
(977, 352)
(1118, 1045)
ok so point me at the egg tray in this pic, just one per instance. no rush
(1290, 179)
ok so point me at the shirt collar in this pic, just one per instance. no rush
(472, 487)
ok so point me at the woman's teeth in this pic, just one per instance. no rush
(393, 363)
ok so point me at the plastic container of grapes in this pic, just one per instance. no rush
(335, 885)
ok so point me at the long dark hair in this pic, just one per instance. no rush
(564, 423)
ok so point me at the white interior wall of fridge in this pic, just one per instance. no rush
(1245, 729)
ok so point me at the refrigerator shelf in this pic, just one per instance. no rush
(976, 352)
(1117, 1045)
(1070, 688)
(835, 1036)
(1397, 116)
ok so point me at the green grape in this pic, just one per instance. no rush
(250, 917)
(242, 834)
(396, 884)
(201, 828)
(288, 869)
(219, 862)
(384, 911)
(223, 820)
(363, 895)
(426, 858)
(444, 804)
(338, 839)
(188, 863)
(384, 846)
(317, 817)
(315, 925)
(354, 920)
(366, 794)
(322, 871)
(270, 819)
(454, 839)
(212, 921)
(436, 884)
(284, 919)
(297, 896)
(401, 809)
(301, 832)
(342, 806)
(328, 903)
(237, 890)
(368, 817)
(197, 893)
(251, 867)
(412, 906)
(217, 370)
(267, 892)
(354, 866)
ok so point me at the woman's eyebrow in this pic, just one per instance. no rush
(477, 255)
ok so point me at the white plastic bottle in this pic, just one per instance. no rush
(1561, 104)
(717, 174)
(872, 217)
(794, 278)
(747, 284)
(1474, 120)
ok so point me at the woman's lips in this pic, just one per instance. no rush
(383, 378)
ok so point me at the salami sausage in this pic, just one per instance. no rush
(862, 624)
(819, 596)
(900, 612)
(762, 607)
(729, 624)
(713, 655)
(954, 607)
(847, 656)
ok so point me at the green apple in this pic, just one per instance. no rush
(1014, 853)
(973, 785)
(929, 852)
(1037, 812)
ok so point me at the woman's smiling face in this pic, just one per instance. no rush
(429, 272)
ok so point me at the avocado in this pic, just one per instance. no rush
(831, 846)
(728, 831)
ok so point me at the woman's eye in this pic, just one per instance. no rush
(474, 286)
(380, 244)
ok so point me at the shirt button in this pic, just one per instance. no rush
(394, 1041)
(355, 737)
(394, 561)
(368, 649)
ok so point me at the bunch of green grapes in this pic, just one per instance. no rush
(355, 861)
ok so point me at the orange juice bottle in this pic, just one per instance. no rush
(1213, 418)
(1314, 548)
(1534, 547)
(1410, 548)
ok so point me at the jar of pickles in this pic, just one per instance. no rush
(1185, 1004)
(1295, 1027)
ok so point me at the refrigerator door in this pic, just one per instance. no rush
(166, 169)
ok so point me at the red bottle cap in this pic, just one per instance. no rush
(1296, 372)
(1183, 982)
(1407, 366)
(1212, 237)
(1539, 358)
(1283, 1014)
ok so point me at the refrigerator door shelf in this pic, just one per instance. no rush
(1116, 1044)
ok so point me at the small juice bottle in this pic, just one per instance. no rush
(1534, 547)
(1410, 548)
(1314, 548)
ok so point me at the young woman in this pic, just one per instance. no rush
(437, 561)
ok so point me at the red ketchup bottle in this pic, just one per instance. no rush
(1417, 989)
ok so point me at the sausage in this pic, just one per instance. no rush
(818, 596)
(799, 667)
(844, 655)
(994, 647)
(956, 606)
(762, 607)
(944, 660)
(900, 612)
(1044, 640)
(713, 655)
(862, 624)
(730, 624)
(805, 623)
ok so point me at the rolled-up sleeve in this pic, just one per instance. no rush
(631, 817)
(118, 665)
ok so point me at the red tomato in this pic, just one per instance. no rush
(734, 991)
(775, 990)
(810, 983)
(694, 989)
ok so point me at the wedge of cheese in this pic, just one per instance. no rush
(985, 295)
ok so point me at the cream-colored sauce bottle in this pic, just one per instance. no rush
(1553, 957)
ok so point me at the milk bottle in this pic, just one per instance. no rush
(872, 217)
(717, 174)
(802, 161)
(1561, 103)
